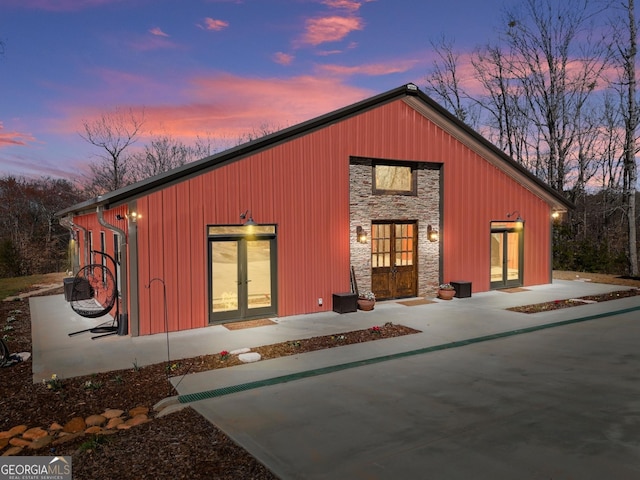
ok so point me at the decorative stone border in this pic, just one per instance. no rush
(21, 437)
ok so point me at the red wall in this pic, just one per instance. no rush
(91, 224)
(302, 186)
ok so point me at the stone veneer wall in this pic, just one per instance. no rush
(366, 207)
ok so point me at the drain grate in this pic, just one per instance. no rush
(219, 392)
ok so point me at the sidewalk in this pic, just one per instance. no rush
(441, 323)
(54, 351)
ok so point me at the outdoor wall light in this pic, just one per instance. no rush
(361, 235)
(250, 222)
(432, 234)
(555, 215)
(518, 218)
(135, 216)
(519, 221)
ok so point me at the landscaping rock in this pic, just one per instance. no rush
(113, 423)
(13, 451)
(93, 430)
(112, 413)
(137, 420)
(76, 424)
(18, 430)
(238, 351)
(55, 427)
(19, 442)
(67, 438)
(34, 433)
(40, 442)
(95, 420)
(249, 357)
(138, 411)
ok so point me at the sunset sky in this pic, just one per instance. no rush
(206, 67)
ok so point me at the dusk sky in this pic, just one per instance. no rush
(206, 67)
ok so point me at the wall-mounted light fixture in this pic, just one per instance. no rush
(247, 213)
(555, 215)
(135, 216)
(432, 234)
(518, 218)
(518, 221)
(361, 234)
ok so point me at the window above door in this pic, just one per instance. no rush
(394, 179)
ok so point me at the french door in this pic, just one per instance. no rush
(394, 259)
(506, 254)
(242, 277)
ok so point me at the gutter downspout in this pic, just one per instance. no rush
(67, 223)
(123, 321)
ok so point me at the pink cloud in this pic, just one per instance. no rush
(14, 138)
(326, 53)
(283, 58)
(213, 24)
(228, 105)
(373, 69)
(330, 29)
(349, 5)
(158, 31)
(225, 106)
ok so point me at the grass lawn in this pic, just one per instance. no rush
(12, 286)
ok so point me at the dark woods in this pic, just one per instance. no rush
(31, 238)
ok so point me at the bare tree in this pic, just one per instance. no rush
(444, 82)
(112, 133)
(164, 153)
(258, 132)
(626, 47)
(559, 65)
(501, 102)
(612, 141)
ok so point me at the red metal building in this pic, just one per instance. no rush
(393, 186)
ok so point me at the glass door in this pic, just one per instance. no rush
(242, 276)
(506, 254)
(225, 284)
(259, 276)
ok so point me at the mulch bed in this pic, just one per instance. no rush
(575, 302)
(179, 445)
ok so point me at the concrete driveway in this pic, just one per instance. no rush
(558, 403)
(481, 393)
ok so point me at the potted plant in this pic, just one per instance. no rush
(366, 301)
(446, 291)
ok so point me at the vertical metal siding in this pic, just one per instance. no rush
(182, 316)
(302, 186)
